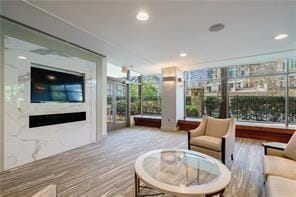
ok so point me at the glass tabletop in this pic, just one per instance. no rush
(181, 168)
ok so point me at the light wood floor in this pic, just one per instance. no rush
(106, 168)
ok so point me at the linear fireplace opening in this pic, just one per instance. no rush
(52, 119)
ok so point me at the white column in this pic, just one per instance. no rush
(172, 99)
(101, 84)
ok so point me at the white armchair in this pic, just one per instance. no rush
(214, 137)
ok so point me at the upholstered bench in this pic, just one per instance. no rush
(279, 166)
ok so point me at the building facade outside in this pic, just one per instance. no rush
(256, 92)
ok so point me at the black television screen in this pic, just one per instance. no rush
(52, 85)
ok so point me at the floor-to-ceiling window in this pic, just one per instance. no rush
(262, 92)
(151, 94)
(117, 101)
(135, 93)
(203, 92)
(130, 93)
(291, 64)
(257, 92)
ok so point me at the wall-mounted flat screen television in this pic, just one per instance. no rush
(54, 85)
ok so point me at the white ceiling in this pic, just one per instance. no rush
(176, 27)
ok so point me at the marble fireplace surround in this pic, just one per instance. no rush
(23, 144)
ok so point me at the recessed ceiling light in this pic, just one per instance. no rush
(183, 54)
(51, 77)
(280, 36)
(217, 27)
(142, 16)
(22, 57)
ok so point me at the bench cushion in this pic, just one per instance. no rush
(279, 166)
(280, 187)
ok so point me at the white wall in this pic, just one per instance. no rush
(23, 144)
(22, 12)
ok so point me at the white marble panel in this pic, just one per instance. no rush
(23, 144)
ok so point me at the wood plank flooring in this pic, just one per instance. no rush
(105, 168)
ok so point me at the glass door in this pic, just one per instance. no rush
(116, 105)
(110, 106)
(121, 104)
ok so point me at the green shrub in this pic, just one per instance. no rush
(258, 108)
(192, 111)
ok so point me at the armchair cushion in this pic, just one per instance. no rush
(279, 166)
(290, 150)
(208, 142)
(216, 127)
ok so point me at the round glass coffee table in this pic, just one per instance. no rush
(180, 173)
